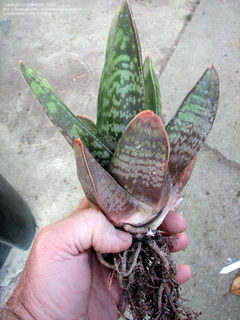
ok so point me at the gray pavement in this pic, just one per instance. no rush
(70, 44)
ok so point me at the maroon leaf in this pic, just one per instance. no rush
(173, 200)
(139, 163)
(101, 189)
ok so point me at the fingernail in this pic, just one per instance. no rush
(124, 236)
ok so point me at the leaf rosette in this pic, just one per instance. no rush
(129, 164)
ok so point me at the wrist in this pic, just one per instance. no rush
(22, 304)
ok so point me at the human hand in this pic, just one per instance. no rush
(63, 278)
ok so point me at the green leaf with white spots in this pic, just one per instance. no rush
(152, 88)
(140, 161)
(121, 94)
(192, 123)
(89, 124)
(62, 117)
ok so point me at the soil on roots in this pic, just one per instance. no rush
(146, 273)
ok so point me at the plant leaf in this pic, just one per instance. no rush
(62, 117)
(152, 88)
(121, 93)
(140, 161)
(192, 123)
(89, 124)
(173, 196)
(235, 288)
(101, 189)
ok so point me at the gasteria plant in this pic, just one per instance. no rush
(131, 165)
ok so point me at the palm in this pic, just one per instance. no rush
(79, 289)
(100, 304)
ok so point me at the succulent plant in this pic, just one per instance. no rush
(129, 163)
(132, 166)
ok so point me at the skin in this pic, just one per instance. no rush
(63, 278)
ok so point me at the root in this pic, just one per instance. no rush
(146, 273)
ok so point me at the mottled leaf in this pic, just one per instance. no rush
(62, 117)
(173, 200)
(89, 124)
(192, 123)
(139, 163)
(121, 94)
(101, 189)
(152, 88)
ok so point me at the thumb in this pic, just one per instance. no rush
(92, 228)
(87, 227)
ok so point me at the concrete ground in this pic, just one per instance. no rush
(66, 43)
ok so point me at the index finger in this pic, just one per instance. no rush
(174, 223)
